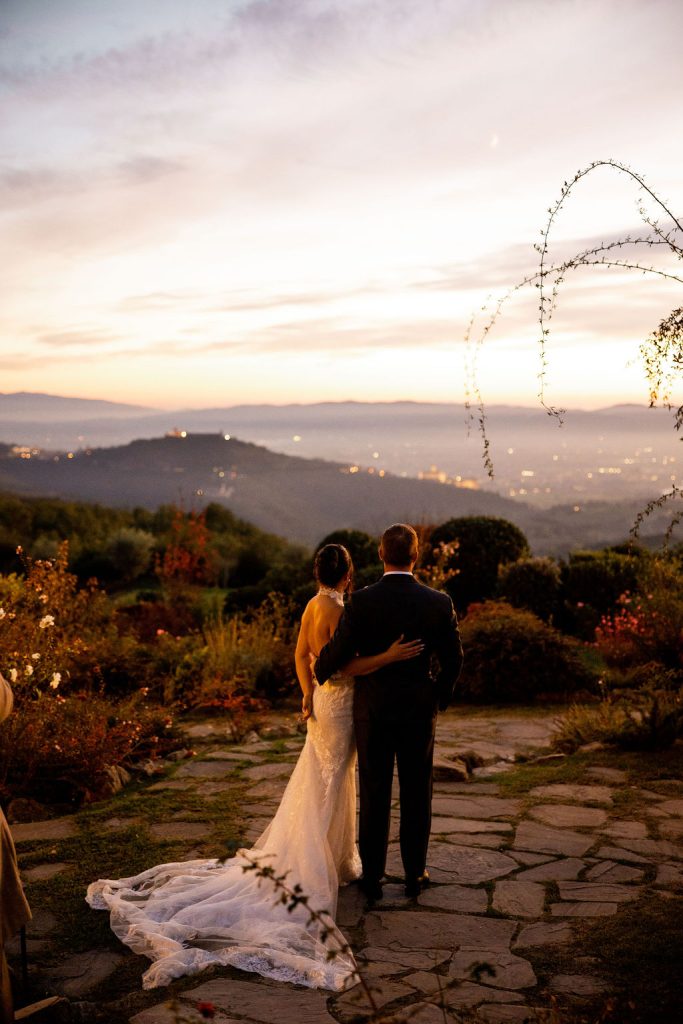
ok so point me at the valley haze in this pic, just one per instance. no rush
(303, 470)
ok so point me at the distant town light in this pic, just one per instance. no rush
(528, 472)
(511, 451)
(375, 455)
(70, 455)
(577, 508)
(296, 437)
(556, 458)
(226, 437)
(353, 469)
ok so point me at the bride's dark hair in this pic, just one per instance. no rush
(331, 564)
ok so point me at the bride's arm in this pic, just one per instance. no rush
(362, 665)
(303, 661)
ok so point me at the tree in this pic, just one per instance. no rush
(130, 551)
(484, 544)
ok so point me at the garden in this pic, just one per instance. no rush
(198, 613)
(124, 683)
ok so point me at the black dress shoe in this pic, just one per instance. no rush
(372, 889)
(414, 886)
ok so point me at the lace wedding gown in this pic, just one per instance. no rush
(189, 915)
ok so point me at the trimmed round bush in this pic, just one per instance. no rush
(484, 544)
(532, 583)
(512, 657)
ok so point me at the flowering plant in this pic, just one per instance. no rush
(648, 626)
(65, 731)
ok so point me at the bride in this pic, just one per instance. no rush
(189, 915)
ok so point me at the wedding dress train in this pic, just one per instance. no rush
(186, 916)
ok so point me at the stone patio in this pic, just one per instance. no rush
(509, 876)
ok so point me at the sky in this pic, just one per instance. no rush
(228, 201)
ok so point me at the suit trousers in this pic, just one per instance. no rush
(382, 740)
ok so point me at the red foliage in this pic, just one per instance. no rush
(187, 558)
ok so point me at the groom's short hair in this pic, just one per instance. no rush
(399, 544)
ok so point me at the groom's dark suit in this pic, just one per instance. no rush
(395, 709)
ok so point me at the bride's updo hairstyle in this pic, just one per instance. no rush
(331, 565)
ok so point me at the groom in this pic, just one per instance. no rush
(395, 708)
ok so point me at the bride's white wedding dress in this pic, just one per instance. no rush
(188, 915)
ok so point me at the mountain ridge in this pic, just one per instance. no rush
(300, 498)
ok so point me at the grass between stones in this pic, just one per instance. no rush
(637, 954)
(98, 852)
(642, 767)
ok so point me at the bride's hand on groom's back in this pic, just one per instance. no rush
(403, 651)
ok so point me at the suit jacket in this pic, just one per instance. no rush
(376, 616)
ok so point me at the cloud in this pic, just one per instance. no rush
(320, 176)
(138, 170)
(77, 338)
(506, 267)
(154, 301)
(334, 334)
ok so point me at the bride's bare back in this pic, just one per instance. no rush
(318, 623)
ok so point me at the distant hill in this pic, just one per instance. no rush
(26, 407)
(621, 453)
(300, 499)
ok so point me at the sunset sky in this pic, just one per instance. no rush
(207, 202)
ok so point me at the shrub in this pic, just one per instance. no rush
(649, 675)
(57, 748)
(647, 626)
(484, 543)
(652, 720)
(592, 583)
(512, 656)
(57, 644)
(532, 583)
(130, 551)
(50, 630)
(253, 651)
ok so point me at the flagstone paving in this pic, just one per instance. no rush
(510, 876)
